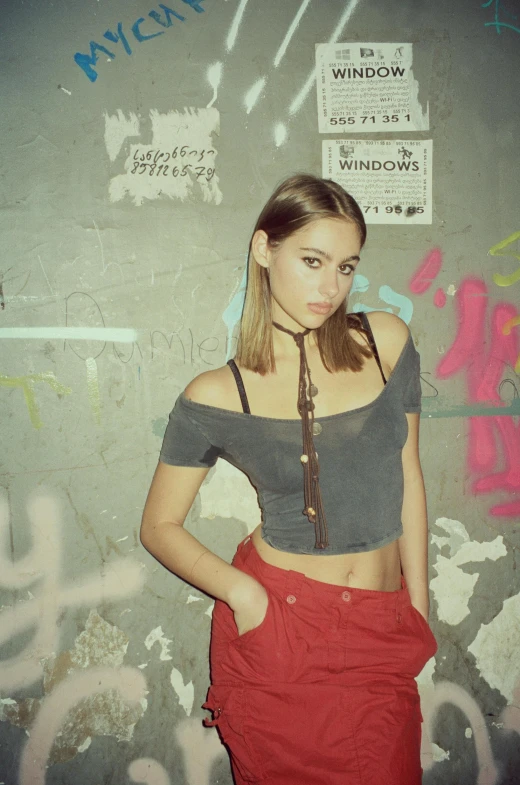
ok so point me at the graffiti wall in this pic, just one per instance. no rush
(140, 141)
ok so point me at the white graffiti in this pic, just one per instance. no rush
(42, 566)
(130, 684)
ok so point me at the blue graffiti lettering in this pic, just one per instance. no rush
(119, 37)
(87, 61)
(137, 32)
(168, 13)
(195, 4)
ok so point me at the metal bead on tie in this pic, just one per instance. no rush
(313, 508)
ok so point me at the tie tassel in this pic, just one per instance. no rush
(309, 459)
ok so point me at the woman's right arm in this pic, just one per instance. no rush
(170, 497)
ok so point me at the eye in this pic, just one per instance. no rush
(346, 269)
(312, 262)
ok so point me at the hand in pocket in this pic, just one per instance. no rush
(251, 613)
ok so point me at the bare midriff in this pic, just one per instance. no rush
(377, 570)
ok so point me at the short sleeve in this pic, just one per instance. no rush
(412, 382)
(184, 444)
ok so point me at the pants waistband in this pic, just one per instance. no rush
(294, 582)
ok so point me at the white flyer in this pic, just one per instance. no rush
(367, 87)
(391, 180)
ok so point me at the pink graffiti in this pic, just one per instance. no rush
(425, 274)
(129, 682)
(506, 329)
(493, 441)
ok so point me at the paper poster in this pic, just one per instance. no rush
(391, 180)
(367, 87)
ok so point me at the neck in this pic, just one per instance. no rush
(284, 338)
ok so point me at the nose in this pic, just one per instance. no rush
(329, 283)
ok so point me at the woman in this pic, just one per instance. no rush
(320, 624)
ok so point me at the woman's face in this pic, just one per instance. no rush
(311, 272)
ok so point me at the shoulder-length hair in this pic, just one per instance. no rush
(297, 202)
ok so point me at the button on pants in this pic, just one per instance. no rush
(322, 692)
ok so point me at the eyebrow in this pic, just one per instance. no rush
(329, 257)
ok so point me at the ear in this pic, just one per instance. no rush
(260, 248)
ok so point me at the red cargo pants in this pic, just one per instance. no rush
(323, 691)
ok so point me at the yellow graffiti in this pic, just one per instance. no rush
(506, 280)
(27, 384)
(506, 329)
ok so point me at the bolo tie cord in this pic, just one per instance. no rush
(309, 459)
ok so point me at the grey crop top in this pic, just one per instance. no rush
(361, 473)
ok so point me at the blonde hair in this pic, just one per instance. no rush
(296, 202)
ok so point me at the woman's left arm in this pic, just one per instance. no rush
(413, 543)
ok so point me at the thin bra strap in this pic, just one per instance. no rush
(371, 341)
(240, 384)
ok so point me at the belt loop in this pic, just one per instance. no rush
(399, 599)
(293, 582)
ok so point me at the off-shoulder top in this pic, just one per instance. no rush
(361, 472)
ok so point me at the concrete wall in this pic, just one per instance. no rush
(104, 654)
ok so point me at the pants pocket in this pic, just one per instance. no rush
(228, 706)
(427, 644)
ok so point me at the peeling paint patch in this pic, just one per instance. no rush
(99, 644)
(192, 598)
(496, 648)
(185, 692)
(81, 716)
(117, 129)
(229, 494)
(209, 610)
(157, 636)
(453, 587)
(439, 754)
(180, 160)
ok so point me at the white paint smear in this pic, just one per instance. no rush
(280, 134)
(453, 587)
(496, 648)
(157, 636)
(229, 494)
(121, 335)
(253, 94)
(185, 692)
(179, 162)
(304, 92)
(290, 32)
(214, 76)
(235, 24)
(192, 598)
(117, 129)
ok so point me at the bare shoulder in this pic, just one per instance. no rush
(214, 388)
(390, 334)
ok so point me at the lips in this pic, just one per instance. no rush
(321, 308)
